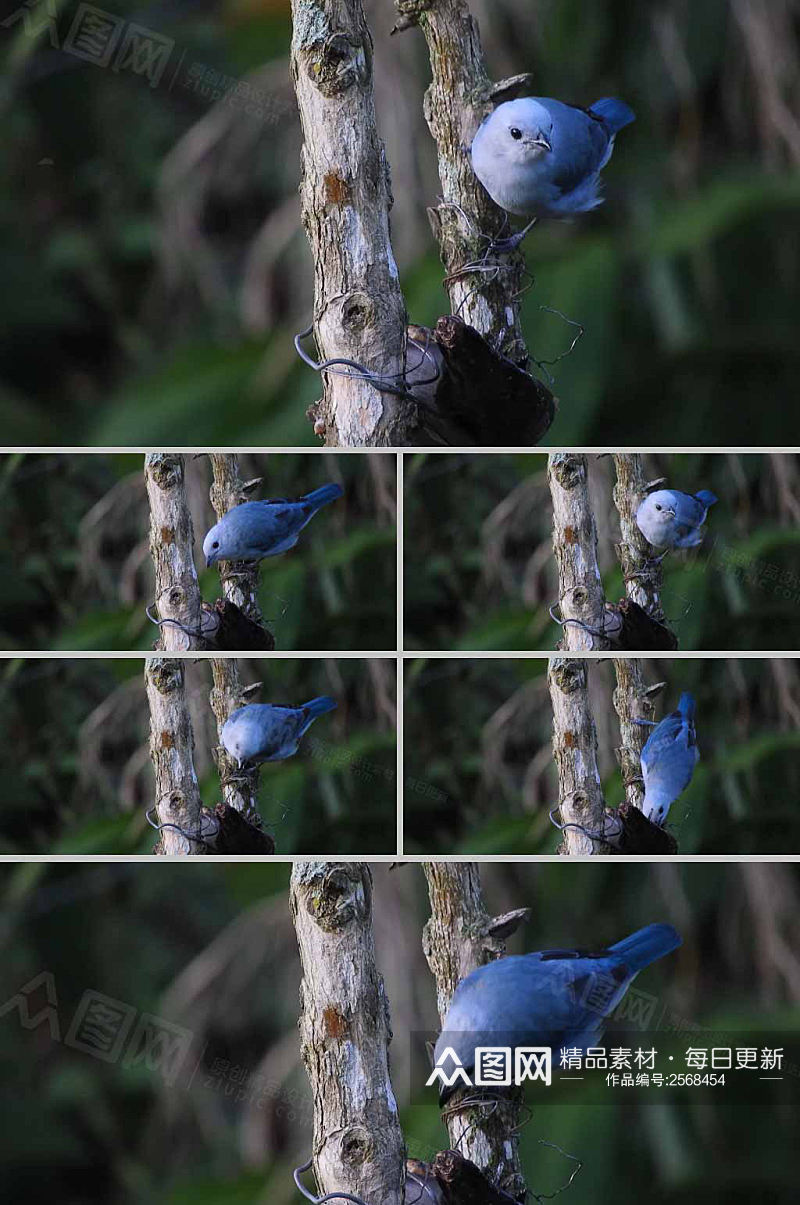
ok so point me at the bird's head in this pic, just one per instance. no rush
(661, 505)
(213, 547)
(233, 747)
(533, 142)
(522, 130)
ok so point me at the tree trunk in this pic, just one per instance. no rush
(177, 798)
(459, 937)
(239, 578)
(642, 574)
(178, 595)
(481, 348)
(580, 793)
(580, 587)
(359, 311)
(632, 702)
(459, 96)
(239, 786)
(345, 1033)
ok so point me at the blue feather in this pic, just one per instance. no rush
(325, 493)
(319, 705)
(647, 945)
(615, 113)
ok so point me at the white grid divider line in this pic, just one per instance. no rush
(400, 647)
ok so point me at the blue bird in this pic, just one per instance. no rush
(555, 998)
(255, 530)
(671, 519)
(668, 760)
(541, 158)
(263, 732)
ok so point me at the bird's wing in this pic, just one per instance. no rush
(280, 519)
(579, 140)
(664, 736)
(286, 726)
(688, 511)
(592, 983)
(537, 994)
(671, 752)
(279, 728)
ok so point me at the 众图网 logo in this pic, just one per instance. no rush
(495, 1067)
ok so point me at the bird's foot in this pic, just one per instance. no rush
(505, 246)
(648, 565)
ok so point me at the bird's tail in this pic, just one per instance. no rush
(615, 113)
(706, 497)
(686, 706)
(646, 945)
(319, 706)
(325, 494)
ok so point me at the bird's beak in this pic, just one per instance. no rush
(543, 143)
(209, 562)
(671, 513)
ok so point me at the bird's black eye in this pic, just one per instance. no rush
(658, 507)
(515, 133)
(216, 542)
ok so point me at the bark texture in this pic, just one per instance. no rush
(359, 311)
(451, 1180)
(640, 836)
(345, 1034)
(580, 588)
(580, 793)
(640, 631)
(642, 573)
(237, 835)
(632, 701)
(239, 786)
(171, 749)
(481, 397)
(237, 632)
(172, 549)
(459, 937)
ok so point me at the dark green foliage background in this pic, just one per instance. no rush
(134, 310)
(476, 525)
(62, 571)
(211, 949)
(473, 728)
(75, 776)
